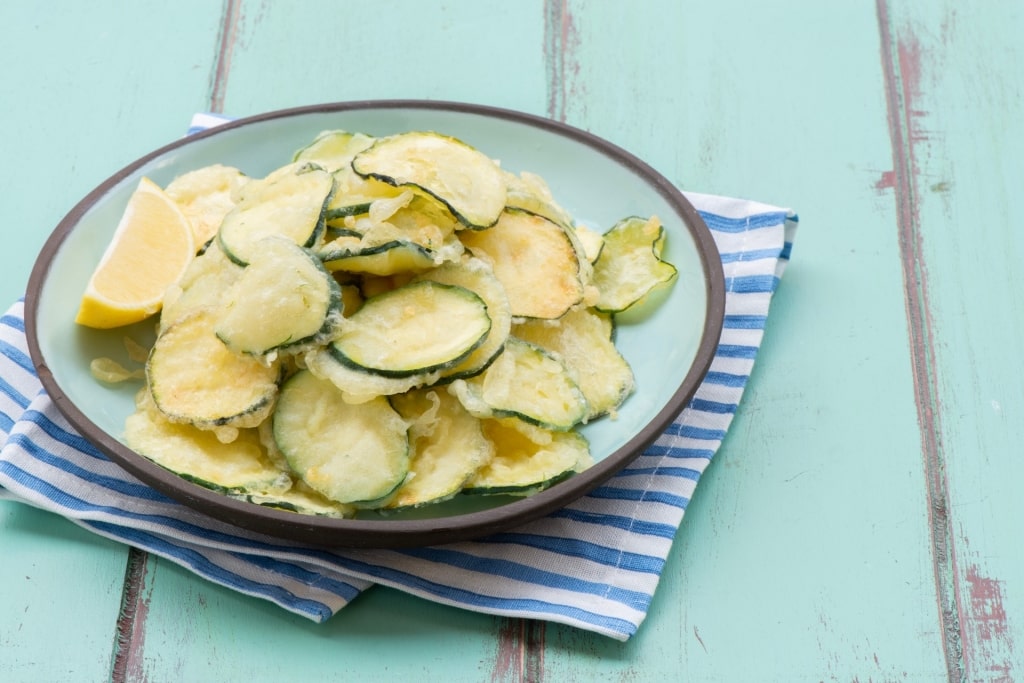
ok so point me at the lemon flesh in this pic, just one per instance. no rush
(150, 249)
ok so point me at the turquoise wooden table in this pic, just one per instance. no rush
(862, 520)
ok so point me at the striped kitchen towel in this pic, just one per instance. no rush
(594, 564)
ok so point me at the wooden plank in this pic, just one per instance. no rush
(803, 555)
(87, 88)
(199, 631)
(282, 55)
(58, 584)
(97, 86)
(958, 114)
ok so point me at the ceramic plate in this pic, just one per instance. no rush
(669, 350)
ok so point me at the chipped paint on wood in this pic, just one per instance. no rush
(901, 63)
(225, 48)
(131, 623)
(987, 632)
(520, 653)
(561, 42)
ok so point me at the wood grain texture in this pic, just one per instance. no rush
(961, 134)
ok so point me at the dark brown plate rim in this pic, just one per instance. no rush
(356, 533)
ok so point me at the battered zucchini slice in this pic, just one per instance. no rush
(583, 339)
(529, 192)
(418, 328)
(528, 383)
(201, 457)
(352, 454)
(352, 254)
(284, 299)
(334, 149)
(193, 377)
(467, 181)
(205, 196)
(478, 277)
(354, 195)
(402, 234)
(535, 260)
(591, 241)
(202, 286)
(289, 202)
(448, 447)
(301, 499)
(630, 263)
(523, 465)
(359, 386)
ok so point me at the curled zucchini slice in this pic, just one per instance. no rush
(523, 464)
(354, 254)
(289, 202)
(583, 340)
(352, 454)
(334, 149)
(418, 328)
(283, 299)
(535, 260)
(354, 195)
(630, 263)
(201, 457)
(530, 192)
(528, 383)
(448, 447)
(467, 181)
(193, 377)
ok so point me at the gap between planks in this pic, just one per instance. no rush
(901, 70)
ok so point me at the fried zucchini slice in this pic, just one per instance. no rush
(583, 339)
(418, 328)
(193, 377)
(630, 263)
(528, 383)
(290, 202)
(535, 260)
(283, 300)
(350, 453)
(467, 181)
(448, 447)
(524, 464)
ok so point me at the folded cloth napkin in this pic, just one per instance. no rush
(594, 564)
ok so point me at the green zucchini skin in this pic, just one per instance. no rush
(284, 300)
(525, 249)
(507, 389)
(416, 329)
(290, 201)
(194, 378)
(381, 259)
(355, 454)
(468, 182)
(527, 461)
(584, 340)
(629, 265)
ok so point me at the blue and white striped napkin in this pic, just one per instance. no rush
(594, 564)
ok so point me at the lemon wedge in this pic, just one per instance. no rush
(151, 247)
